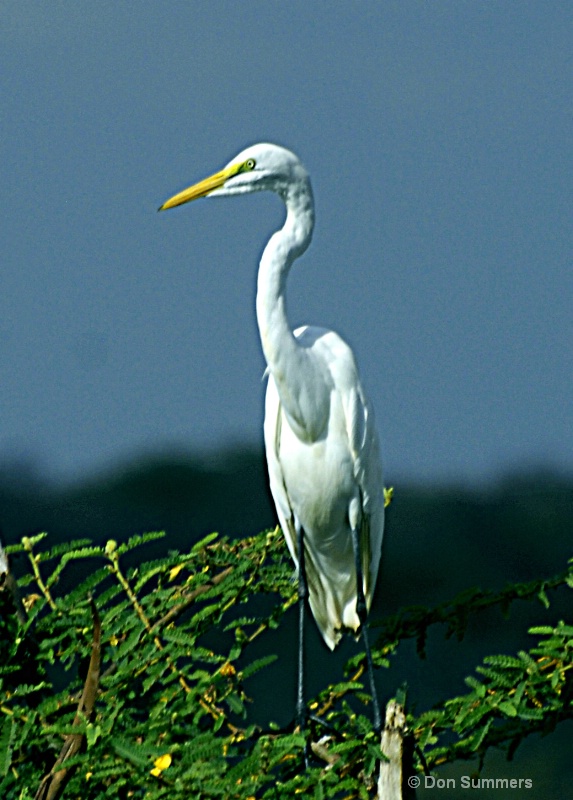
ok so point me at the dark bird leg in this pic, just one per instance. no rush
(362, 612)
(302, 596)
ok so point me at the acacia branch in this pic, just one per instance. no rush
(53, 782)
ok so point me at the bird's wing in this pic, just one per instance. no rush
(368, 473)
(365, 453)
(272, 432)
(367, 512)
(290, 524)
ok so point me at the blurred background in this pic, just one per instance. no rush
(438, 138)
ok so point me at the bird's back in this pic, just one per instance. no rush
(328, 485)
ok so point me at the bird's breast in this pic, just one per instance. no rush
(319, 479)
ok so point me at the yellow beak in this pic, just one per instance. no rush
(201, 189)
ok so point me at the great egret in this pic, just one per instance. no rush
(320, 438)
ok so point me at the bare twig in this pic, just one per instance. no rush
(53, 782)
(34, 560)
(189, 599)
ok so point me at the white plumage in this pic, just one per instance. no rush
(320, 438)
(329, 484)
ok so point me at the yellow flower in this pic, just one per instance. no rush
(173, 573)
(30, 600)
(161, 764)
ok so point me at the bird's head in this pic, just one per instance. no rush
(258, 168)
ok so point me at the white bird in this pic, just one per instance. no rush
(320, 438)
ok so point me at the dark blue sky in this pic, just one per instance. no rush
(439, 140)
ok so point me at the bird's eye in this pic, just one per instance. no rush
(250, 163)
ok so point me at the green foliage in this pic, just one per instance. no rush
(170, 711)
(516, 696)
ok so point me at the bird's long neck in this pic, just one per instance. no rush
(292, 366)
